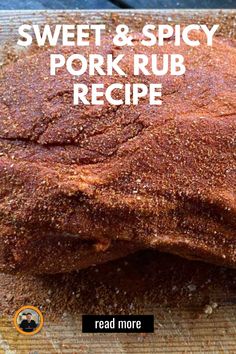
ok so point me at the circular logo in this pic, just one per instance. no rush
(28, 320)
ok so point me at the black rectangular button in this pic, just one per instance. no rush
(117, 323)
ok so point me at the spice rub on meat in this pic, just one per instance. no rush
(82, 184)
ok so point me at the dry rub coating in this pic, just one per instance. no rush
(81, 185)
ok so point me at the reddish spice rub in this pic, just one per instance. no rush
(81, 185)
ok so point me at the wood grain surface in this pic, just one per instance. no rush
(185, 327)
(176, 331)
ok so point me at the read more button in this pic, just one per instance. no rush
(121, 324)
(118, 324)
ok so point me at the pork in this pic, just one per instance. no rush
(83, 184)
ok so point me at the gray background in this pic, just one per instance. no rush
(115, 4)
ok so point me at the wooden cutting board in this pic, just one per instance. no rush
(194, 304)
